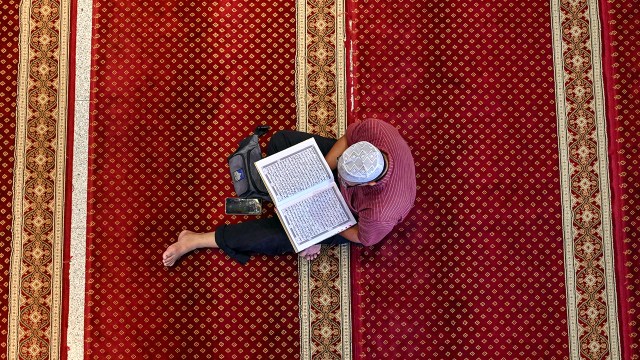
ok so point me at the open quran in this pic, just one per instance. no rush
(306, 197)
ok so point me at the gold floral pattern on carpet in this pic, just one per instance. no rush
(582, 134)
(35, 303)
(321, 109)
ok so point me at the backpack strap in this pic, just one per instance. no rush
(261, 130)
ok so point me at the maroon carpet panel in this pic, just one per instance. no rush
(9, 31)
(621, 38)
(175, 86)
(476, 269)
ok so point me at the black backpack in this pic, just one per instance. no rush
(246, 180)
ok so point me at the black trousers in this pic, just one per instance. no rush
(267, 236)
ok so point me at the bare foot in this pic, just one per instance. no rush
(179, 248)
(311, 252)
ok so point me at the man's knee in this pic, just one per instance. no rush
(279, 141)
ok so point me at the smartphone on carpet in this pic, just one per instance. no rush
(240, 206)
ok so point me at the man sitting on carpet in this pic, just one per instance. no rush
(376, 176)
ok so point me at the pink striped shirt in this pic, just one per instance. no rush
(381, 207)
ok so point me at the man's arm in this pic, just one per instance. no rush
(371, 233)
(351, 234)
(338, 148)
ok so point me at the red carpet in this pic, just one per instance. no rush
(175, 86)
(507, 253)
(476, 270)
(622, 74)
(8, 84)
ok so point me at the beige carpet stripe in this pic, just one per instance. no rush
(572, 263)
(21, 204)
(341, 254)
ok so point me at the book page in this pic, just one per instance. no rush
(317, 216)
(294, 170)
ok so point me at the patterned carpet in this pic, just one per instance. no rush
(321, 100)
(509, 252)
(8, 84)
(521, 123)
(175, 87)
(622, 75)
(202, 96)
(34, 89)
(476, 270)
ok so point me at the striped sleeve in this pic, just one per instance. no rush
(372, 232)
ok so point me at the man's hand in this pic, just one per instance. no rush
(351, 234)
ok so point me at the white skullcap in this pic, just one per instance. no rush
(360, 163)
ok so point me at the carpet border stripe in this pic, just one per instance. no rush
(603, 337)
(311, 347)
(22, 341)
